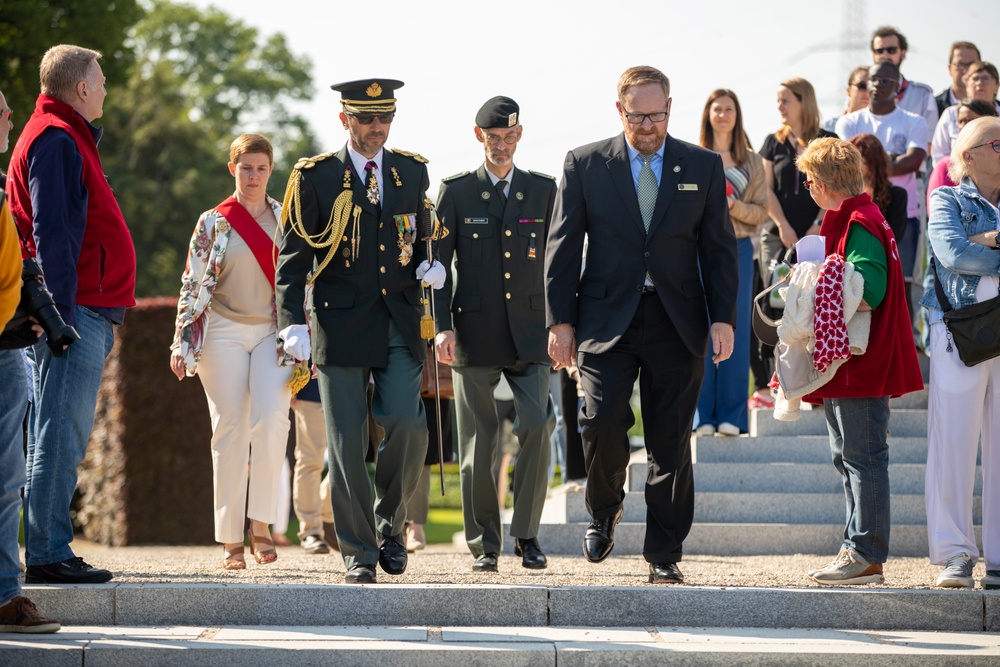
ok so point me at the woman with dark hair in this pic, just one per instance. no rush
(722, 403)
(890, 199)
(857, 96)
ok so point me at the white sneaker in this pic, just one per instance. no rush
(705, 429)
(725, 428)
(849, 568)
(957, 573)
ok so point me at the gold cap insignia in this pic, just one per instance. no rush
(373, 90)
(512, 119)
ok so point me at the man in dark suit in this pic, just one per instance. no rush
(351, 232)
(660, 267)
(497, 219)
(961, 55)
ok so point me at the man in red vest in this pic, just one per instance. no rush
(68, 214)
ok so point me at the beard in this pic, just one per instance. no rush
(647, 142)
(368, 143)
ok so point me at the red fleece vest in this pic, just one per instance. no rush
(106, 266)
(889, 367)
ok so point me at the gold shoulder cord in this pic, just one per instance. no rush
(329, 236)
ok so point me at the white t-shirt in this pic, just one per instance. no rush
(898, 131)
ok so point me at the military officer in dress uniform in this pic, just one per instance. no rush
(354, 239)
(491, 320)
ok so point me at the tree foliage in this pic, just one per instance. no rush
(29, 27)
(199, 78)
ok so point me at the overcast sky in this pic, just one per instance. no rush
(561, 60)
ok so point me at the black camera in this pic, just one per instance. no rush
(36, 301)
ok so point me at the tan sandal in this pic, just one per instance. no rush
(262, 556)
(233, 559)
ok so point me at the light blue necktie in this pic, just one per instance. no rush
(647, 191)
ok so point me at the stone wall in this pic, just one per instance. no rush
(147, 477)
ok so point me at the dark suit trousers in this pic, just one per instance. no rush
(669, 381)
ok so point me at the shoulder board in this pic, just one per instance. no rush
(538, 173)
(310, 162)
(416, 156)
(455, 176)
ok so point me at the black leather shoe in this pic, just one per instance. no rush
(530, 553)
(392, 554)
(485, 563)
(360, 574)
(71, 571)
(665, 573)
(599, 539)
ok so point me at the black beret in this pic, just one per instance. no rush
(498, 112)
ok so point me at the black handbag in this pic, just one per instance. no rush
(975, 329)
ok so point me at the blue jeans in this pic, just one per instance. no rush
(908, 247)
(13, 405)
(60, 421)
(723, 396)
(858, 429)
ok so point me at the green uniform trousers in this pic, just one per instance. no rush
(397, 408)
(478, 439)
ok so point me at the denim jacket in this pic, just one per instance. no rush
(956, 213)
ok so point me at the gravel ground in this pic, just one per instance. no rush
(444, 564)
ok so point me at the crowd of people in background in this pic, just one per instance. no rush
(568, 294)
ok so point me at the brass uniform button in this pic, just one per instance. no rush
(381, 269)
(507, 276)
(326, 304)
(384, 292)
(475, 236)
(507, 295)
(459, 309)
(381, 246)
(507, 233)
(507, 255)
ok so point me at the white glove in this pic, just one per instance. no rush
(296, 340)
(432, 274)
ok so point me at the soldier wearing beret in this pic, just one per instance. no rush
(491, 319)
(354, 238)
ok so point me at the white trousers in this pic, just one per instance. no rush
(311, 497)
(248, 403)
(963, 404)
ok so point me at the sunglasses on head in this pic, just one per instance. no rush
(891, 50)
(369, 118)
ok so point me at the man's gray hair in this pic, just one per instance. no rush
(63, 67)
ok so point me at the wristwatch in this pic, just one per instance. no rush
(996, 241)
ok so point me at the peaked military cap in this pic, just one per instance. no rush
(368, 95)
(499, 111)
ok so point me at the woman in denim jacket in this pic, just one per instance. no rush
(964, 403)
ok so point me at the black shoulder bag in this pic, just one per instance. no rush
(975, 329)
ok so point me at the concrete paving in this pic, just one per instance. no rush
(423, 645)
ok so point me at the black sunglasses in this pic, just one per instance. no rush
(369, 118)
(861, 85)
(891, 50)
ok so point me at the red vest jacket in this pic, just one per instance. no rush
(106, 266)
(890, 366)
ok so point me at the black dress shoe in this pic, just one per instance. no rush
(665, 573)
(71, 571)
(599, 539)
(392, 554)
(485, 563)
(360, 574)
(530, 553)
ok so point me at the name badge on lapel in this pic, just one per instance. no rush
(687, 187)
(477, 221)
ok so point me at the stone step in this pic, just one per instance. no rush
(794, 449)
(757, 507)
(727, 539)
(902, 423)
(649, 643)
(442, 605)
(914, 400)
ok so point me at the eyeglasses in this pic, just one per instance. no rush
(494, 139)
(640, 118)
(995, 145)
(880, 80)
(980, 78)
(891, 50)
(369, 118)
(861, 85)
(961, 67)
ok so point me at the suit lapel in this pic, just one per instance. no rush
(673, 167)
(621, 176)
(358, 185)
(389, 186)
(486, 186)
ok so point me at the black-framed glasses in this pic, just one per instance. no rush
(640, 118)
(369, 118)
(861, 85)
(891, 50)
(995, 145)
(495, 139)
